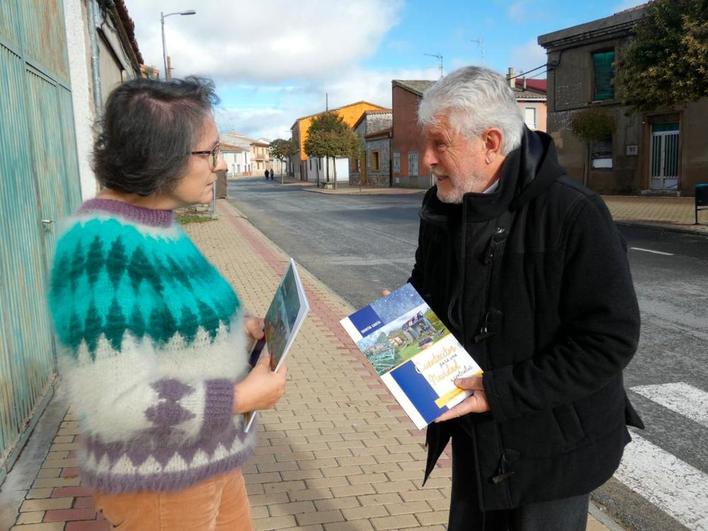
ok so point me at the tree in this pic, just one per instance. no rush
(282, 149)
(591, 126)
(666, 63)
(328, 136)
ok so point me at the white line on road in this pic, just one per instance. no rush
(651, 251)
(674, 486)
(680, 397)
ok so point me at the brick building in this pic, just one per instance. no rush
(407, 167)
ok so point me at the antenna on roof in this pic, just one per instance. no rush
(440, 61)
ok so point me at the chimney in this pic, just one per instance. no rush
(510, 77)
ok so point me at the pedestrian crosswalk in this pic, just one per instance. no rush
(674, 486)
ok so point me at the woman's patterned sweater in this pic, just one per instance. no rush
(151, 343)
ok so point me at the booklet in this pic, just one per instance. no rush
(283, 320)
(413, 352)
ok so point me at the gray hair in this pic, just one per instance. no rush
(148, 130)
(474, 99)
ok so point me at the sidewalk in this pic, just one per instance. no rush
(336, 454)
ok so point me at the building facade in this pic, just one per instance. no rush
(311, 170)
(245, 156)
(531, 98)
(407, 168)
(373, 167)
(102, 52)
(662, 151)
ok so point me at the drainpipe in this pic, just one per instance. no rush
(95, 62)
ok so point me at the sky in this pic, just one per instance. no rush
(274, 61)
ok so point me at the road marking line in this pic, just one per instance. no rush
(651, 251)
(680, 397)
(674, 486)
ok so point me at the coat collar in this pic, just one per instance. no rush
(525, 174)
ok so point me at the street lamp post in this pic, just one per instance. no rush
(164, 48)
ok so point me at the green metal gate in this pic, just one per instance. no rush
(39, 184)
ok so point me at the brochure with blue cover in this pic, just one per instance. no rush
(413, 352)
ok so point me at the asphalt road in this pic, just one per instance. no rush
(358, 245)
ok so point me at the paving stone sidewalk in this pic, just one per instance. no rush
(336, 454)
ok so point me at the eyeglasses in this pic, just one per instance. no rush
(213, 155)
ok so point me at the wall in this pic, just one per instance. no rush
(349, 113)
(541, 113)
(79, 52)
(570, 90)
(406, 138)
(380, 177)
(114, 66)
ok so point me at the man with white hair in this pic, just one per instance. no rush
(527, 269)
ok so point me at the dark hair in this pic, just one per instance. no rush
(148, 130)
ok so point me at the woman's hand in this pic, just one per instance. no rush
(261, 389)
(254, 327)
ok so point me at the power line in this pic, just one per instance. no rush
(439, 57)
(545, 65)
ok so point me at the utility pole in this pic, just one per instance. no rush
(439, 57)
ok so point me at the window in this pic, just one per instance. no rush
(604, 73)
(601, 154)
(375, 160)
(530, 117)
(396, 162)
(413, 164)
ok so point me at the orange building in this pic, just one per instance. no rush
(349, 113)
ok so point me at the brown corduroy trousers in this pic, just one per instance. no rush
(218, 503)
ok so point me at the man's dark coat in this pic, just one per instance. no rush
(543, 300)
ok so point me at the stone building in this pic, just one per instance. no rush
(373, 168)
(662, 151)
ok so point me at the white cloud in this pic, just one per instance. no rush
(517, 11)
(283, 54)
(527, 56)
(357, 84)
(268, 40)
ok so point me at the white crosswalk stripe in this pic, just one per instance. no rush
(674, 486)
(680, 397)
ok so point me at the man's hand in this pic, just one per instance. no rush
(477, 403)
(254, 327)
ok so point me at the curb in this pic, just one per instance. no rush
(697, 230)
(601, 516)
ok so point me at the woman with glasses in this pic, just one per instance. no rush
(153, 340)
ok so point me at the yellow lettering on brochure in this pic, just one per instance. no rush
(444, 399)
(436, 359)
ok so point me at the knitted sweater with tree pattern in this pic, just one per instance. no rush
(151, 343)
